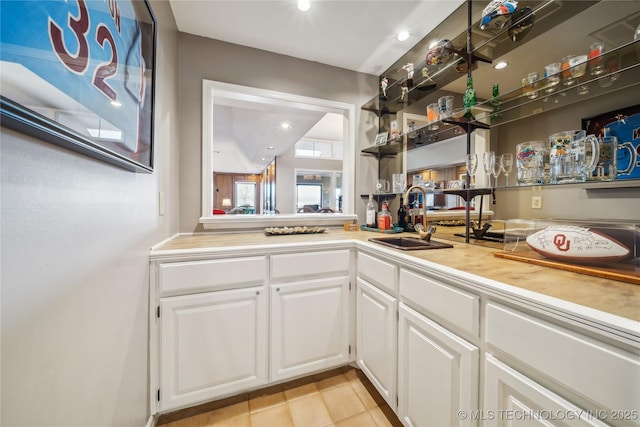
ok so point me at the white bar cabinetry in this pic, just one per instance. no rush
(212, 344)
(377, 324)
(310, 312)
(209, 329)
(230, 324)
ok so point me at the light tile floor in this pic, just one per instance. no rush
(340, 398)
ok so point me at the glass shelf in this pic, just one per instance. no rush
(488, 44)
(469, 193)
(391, 148)
(623, 64)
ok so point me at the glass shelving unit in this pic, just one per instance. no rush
(472, 47)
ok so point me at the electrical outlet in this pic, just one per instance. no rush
(536, 202)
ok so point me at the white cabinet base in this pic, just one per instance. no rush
(213, 344)
(437, 373)
(511, 399)
(309, 326)
(377, 339)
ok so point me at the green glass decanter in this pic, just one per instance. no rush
(469, 98)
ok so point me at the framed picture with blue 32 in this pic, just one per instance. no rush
(80, 74)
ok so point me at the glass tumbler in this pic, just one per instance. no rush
(551, 73)
(596, 64)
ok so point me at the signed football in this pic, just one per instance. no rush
(577, 244)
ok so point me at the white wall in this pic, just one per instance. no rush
(76, 234)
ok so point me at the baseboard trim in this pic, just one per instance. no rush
(151, 422)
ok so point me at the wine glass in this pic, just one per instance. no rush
(507, 167)
(497, 168)
(488, 162)
(471, 161)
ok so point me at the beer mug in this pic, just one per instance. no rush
(530, 162)
(399, 182)
(607, 167)
(573, 155)
(382, 186)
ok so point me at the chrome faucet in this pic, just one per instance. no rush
(426, 232)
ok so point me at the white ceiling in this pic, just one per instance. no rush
(364, 30)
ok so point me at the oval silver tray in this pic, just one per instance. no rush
(281, 231)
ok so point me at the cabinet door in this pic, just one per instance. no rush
(437, 373)
(512, 399)
(212, 344)
(376, 331)
(309, 326)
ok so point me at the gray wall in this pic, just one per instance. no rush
(201, 58)
(76, 234)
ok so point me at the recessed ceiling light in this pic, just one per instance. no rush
(500, 65)
(285, 125)
(304, 5)
(271, 147)
(403, 35)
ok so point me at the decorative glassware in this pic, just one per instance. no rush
(507, 166)
(529, 85)
(433, 116)
(552, 74)
(488, 161)
(496, 102)
(471, 162)
(497, 168)
(469, 99)
(596, 64)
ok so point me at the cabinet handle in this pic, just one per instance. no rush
(257, 292)
(277, 289)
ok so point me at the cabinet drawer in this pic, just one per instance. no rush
(378, 272)
(604, 374)
(197, 276)
(508, 393)
(457, 307)
(309, 264)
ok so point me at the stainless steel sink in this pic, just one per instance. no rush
(409, 243)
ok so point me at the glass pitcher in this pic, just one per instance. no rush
(573, 155)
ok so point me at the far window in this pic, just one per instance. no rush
(309, 197)
(319, 149)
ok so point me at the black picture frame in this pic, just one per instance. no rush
(81, 74)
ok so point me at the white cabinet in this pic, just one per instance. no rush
(437, 373)
(376, 332)
(607, 377)
(309, 326)
(512, 399)
(212, 344)
(381, 273)
(460, 310)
